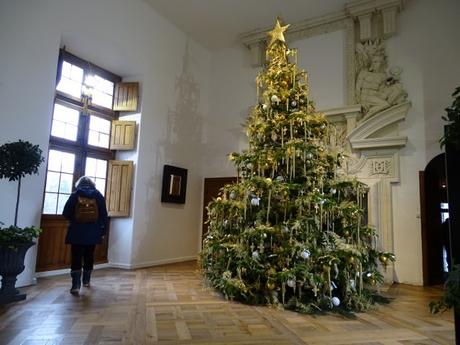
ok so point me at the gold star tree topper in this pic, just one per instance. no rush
(277, 34)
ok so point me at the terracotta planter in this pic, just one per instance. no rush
(12, 264)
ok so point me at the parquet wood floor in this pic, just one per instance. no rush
(168, 305)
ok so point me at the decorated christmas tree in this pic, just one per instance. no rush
(290, 232)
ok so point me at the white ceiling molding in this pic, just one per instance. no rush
(361, 7)
(296, 30)
(361, 11)
(364, 11)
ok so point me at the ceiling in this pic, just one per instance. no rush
(217, 23)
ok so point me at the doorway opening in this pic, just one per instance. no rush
(434, 211)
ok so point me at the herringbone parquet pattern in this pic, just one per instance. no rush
(168, 305)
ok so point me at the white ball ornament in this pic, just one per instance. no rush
(309, 156)
(333, 191)
(291, 283)
(293, 103)
(285, 229)
(279, 178)
(264, 106)
(255, 201)
(274, 99)
(305, 254)
(255, 254)
(249, 165)
(232, 195)
(335, 301)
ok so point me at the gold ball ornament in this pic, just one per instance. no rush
(383, 259)
(351, 260)
(346, 233)
(270, 285)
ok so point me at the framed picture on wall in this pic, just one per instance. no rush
(174, 184)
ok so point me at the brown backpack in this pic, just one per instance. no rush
(86, 210)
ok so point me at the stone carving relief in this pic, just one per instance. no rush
(377, 88)
(380, 167)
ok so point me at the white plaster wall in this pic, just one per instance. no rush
(427, 49)
(28, 58)
(232, 94)
(172, 135)
(130, 39)
(323, 57)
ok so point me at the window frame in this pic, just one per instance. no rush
(80, 146)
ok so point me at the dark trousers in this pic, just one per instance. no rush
(82, 253)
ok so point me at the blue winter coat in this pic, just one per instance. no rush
(89, 233)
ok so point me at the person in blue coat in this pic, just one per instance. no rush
(83, 237)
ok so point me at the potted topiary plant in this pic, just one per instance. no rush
(17, 159)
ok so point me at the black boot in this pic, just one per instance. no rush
(86, 277)
(76, 282)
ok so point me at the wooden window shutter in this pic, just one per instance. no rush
(118, 198)
(125, 97)
(123, 135)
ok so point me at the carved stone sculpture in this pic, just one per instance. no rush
(376, 87)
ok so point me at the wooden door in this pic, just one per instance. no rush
(212, 186)
(433, 194)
